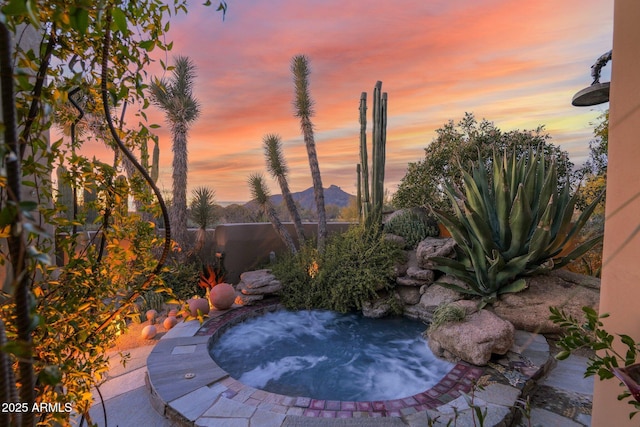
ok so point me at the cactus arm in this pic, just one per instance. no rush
(363, 156)
(155, 162)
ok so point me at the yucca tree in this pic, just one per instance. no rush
(261, 196)
(175, 97)
(277, 167)
(304, 111)
(202, 213)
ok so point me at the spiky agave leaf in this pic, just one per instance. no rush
(515, 226)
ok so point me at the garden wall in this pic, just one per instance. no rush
(246, 247)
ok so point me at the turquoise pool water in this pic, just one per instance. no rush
(332, 356)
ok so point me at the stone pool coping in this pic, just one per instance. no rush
(189, 388)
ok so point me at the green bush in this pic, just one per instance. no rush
(515, 223)
(183, 278)
(464, 142)
(414, 226)
(354, 267)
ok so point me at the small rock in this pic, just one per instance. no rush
(376, 309)
(170, 322)
(408, 294)
(148, 332)
(272, 288)
(151, 315)
(242, 299)
(434, 247)
(410, 281)
(436, 295)
(421, 274)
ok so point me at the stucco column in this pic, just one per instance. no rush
(620, 293)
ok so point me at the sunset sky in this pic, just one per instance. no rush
(516, 63)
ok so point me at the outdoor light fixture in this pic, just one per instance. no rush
(597, 93)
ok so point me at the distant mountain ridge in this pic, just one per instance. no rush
(333, 195)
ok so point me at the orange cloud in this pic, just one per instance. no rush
(514, 63)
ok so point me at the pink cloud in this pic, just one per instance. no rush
(515, 63)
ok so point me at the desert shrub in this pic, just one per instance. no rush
(446, 313)
(461, 143)
(414, 226)
(516, 223)
(182, 278)
(354, 267)
(590, 263)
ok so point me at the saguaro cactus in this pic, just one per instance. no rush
(371, 205)
(155, 162)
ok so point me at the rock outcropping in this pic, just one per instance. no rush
(254, 285)
(473, 339)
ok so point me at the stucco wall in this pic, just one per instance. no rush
(247, 246)
(620, 290)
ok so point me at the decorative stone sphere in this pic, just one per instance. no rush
(196, 304)
(148, 332)
(151, 315)
(170, 322)
(222, 296)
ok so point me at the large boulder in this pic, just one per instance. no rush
(258, 278)
(258, 282)
(473, 339)
(529, 310)
(434, 247)
(423, 275)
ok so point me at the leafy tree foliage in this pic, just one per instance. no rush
(57, 321)
(594, 171)
(594, 182)
(462, 143)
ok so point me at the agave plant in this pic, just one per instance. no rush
(515, 224)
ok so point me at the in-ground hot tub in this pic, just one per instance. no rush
(330, 356)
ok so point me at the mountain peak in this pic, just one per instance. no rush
(333, 195)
